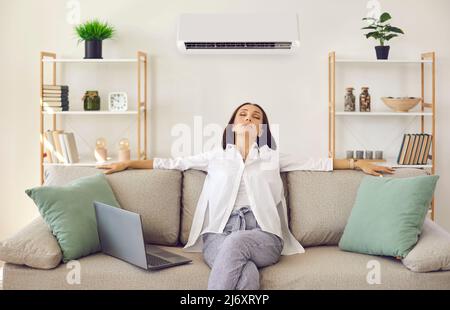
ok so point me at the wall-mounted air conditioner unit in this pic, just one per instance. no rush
(238, 33)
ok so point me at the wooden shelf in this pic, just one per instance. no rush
(392, 61)
(392, 162)
(139, 110)
(383, 113)
(422, 115)
(82, 163)
(90, 113)
(75, 60)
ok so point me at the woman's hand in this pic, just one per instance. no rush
(371, 169)
(114, 167)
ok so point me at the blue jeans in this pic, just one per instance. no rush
(235, 255)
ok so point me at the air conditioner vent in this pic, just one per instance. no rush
(238, 45)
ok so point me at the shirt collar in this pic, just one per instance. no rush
(253, 152)
(233, 146)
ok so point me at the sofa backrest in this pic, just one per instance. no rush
(154, 194)
(320, 203)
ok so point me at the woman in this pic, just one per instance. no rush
(241, 223)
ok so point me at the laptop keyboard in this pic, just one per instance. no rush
(153, 260)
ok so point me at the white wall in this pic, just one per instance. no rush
(292, 89)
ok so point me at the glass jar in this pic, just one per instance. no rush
(91, 101)
(349, 100)
(364, 100)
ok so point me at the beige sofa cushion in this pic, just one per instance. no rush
(34, 246)
(432, 251)
(192, 187)
(321, 202)
(324, 267)
(100, 271)
(154, 194)
(327, 267)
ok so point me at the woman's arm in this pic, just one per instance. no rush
(361, 164)
(289, 162)
(199, 162)
(123, 165)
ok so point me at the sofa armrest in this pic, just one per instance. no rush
(432, 251)
(34, 246)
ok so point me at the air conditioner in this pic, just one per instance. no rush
(238, 33)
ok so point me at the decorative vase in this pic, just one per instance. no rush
(93, 49)
(91, 101)
(364, 100)
(124, 150)
(101, 153)
(349, 100)
(382, 52)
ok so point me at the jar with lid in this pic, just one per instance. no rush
(364, 100)
(91, 100)
(349, 100)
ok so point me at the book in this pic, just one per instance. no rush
(419, 147)
(422, 151)
(71, 147)
(55, 92)
(49, 146)
(414, 149)
(403, 147)
(64, 151)
(55, 87)
(58, 154)
(54, 104)
(427, 149)
(48, 99)
(55, 95)
(55, 109)
(409, 149)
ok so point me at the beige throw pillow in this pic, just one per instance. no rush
(34, 246)
(432, 251)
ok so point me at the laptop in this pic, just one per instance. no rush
(121, 236)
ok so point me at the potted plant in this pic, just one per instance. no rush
(382, 31)
(93, 32)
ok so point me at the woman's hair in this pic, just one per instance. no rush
(266, 138)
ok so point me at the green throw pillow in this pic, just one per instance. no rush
(69, 212)
(388, 215)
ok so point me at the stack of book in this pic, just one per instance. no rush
(60, 147)
(56, 98)
(415, 149)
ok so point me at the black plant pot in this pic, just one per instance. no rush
(382, 52)
(93, 49)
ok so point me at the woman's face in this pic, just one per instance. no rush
(248, 120)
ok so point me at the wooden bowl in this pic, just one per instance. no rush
(401, 104)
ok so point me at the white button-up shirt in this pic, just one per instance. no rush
(261, 174)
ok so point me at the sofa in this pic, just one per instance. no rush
(319, 204)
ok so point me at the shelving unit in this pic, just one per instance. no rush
(140, 111)
(425, 59)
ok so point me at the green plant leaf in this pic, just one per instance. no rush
(385, 17)
(394, 29)
(94, 30)
(370, 27)
(373, 34)
(387, 38)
